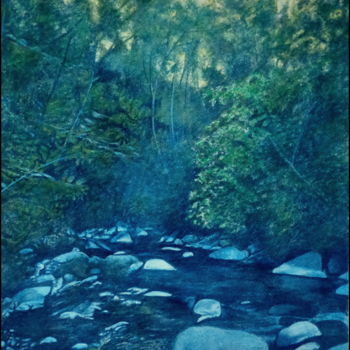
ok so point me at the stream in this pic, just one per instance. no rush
(248, 296)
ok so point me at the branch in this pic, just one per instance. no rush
(32, 172)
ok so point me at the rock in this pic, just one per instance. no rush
(336, 265)
(344, 276)
(120, 252)
(121, 227)
(343, 290)
(68, 277)
(137, 291)
(158, 264)
(44, 280)
(80, 346)
(106, 294)
(174, 249)
(141, 233)
(26, 251)
(213, 338)
(187, 254)
(309, 346)
(84, 310)
(95, 271)
(189, 239)
(119, 266)
(31, 298)
(122, 237)
(157, 293)
(307, 265)
(178, 241)
(344, 346)
(74, 262)
(95, 261)
(48, 340)
(296, 333)
(229, 253)
(207, 308)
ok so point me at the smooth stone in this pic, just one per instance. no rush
(178, 241)
(141, 233)
(46, 279)
(48, 340)
(189, 239)
(158, 264)
(343, 290)
(344, 276)
(95, 271)
(187, 254)
(296, 333)
(207, 308)
(229, 253)
(119, 266)
(309, 346)
(307, 265)
(31, 298)
(26, 251)
(80, 346)
(344, 346)
(174, 249)
(74, 262)
(68, 277)
(120, 252)
(122, 237)
(157, 293)
(106, 294)
(213, 338)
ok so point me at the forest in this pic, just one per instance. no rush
(204, 117)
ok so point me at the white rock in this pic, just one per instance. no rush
(307, 265)
(137, 291)
(178, 241)
(174, 249)
(344, 276)
(141, 233)
(229, 253)
(73, 315)
(156, 293)
(296, 333)
(122, 237)
(343, 290)
(31, 298)
(309, 346)
(106, 294)
(158, 264)
(80, 346)
(207, 308)
(187, 254)
(213, 338)
(48, 340)
(119, 252)
(344, 346)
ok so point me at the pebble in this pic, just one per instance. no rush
(80, 346)
(48, 340)
(187, 254)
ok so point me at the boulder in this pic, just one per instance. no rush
(48, 340)
(31, 298)
(156, 293)
(207, 308)
(343, 290)
(189, 239)
(307, 265)
(229, 253)
(74, 262)
(119, 266)
(344, 346)
(158, 264)
(187, 255)
(344, 276)
(296, 333)
(122, 237)
(213, 338)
